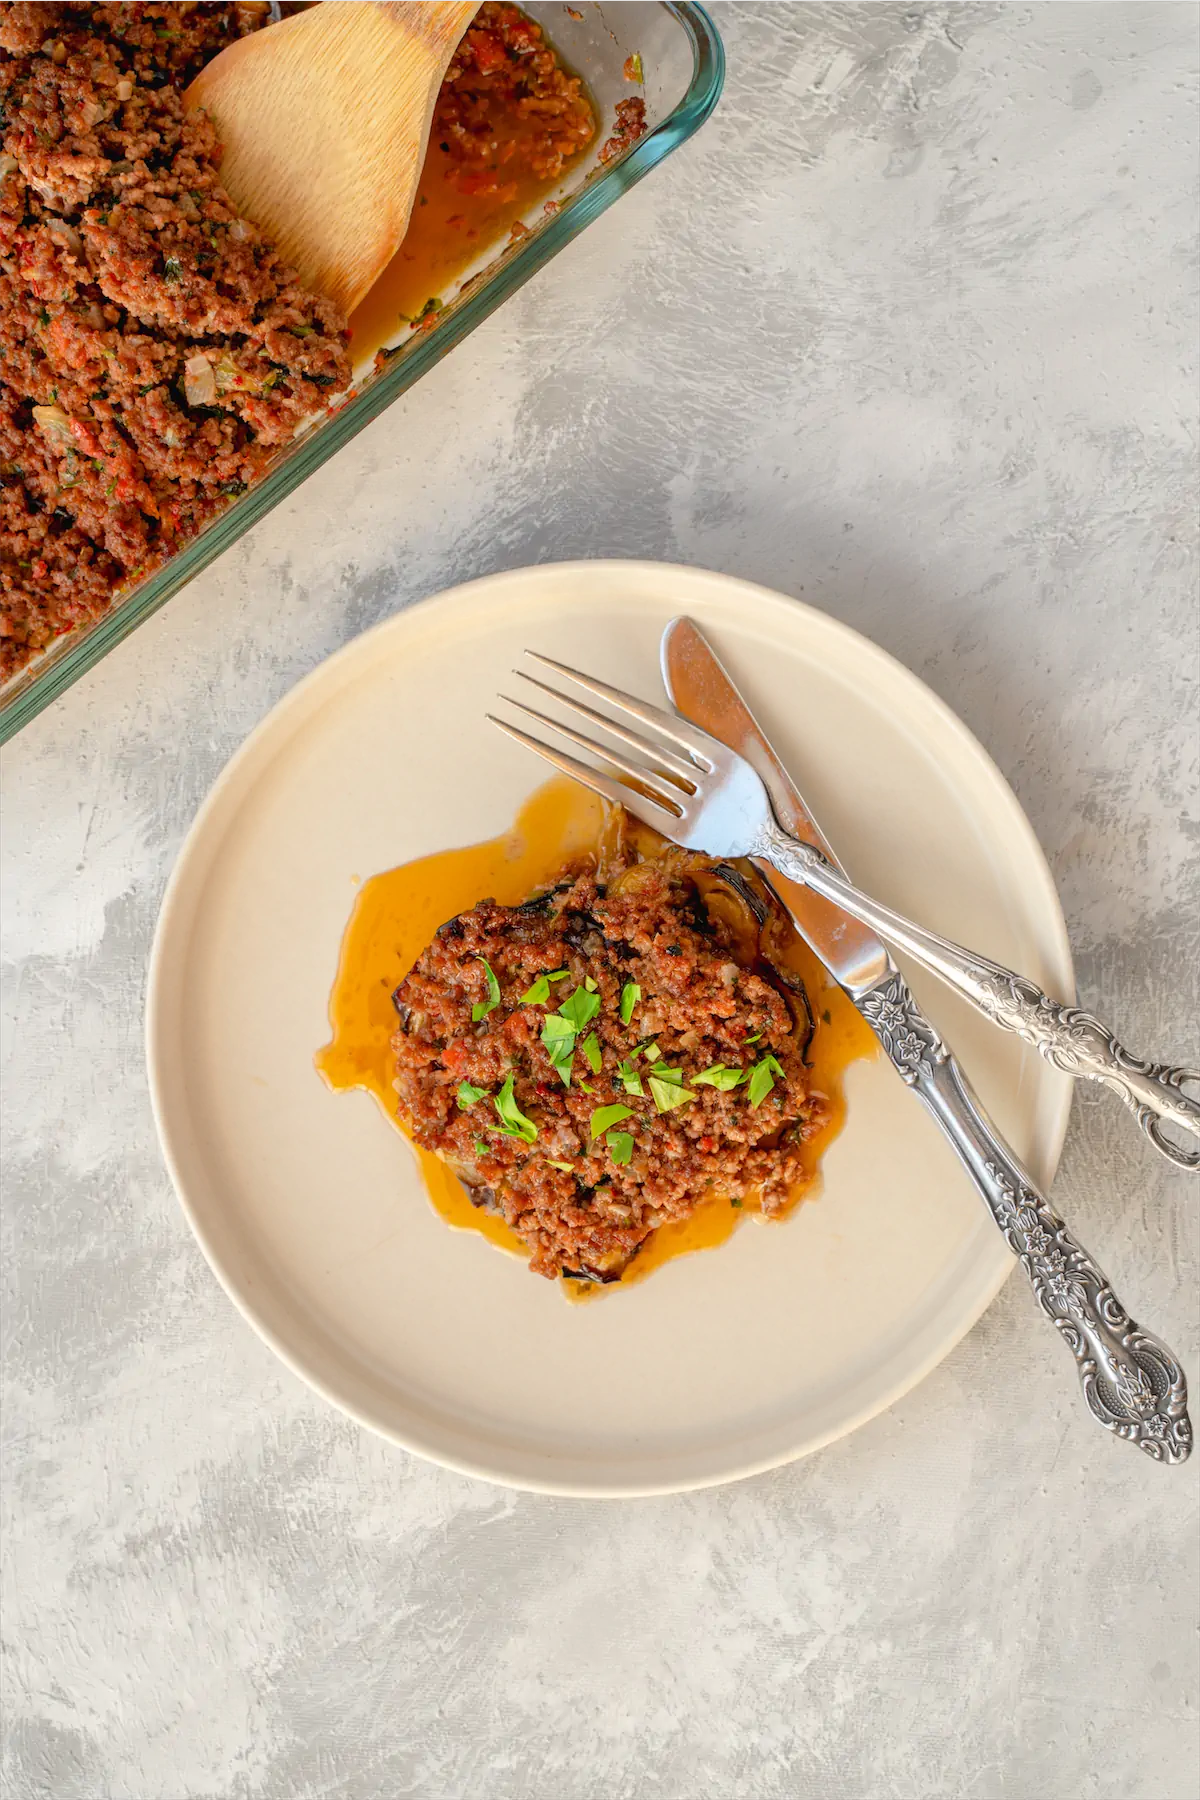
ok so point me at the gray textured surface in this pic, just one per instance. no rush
(909, 330)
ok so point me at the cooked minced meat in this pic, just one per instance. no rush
(155, 352)
(154, 349)
(525, 1029)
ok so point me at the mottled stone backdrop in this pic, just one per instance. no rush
(909, 330)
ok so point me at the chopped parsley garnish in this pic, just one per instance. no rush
(651, 1052)
(668, 1091)
(482, 1008)
(719, 1077)
(558, 1041)
(481, 1148)
(629, 1078)
(631, 993)
(604, 1116)
(513, 1122)
(539, 993)
(620, 1146)
(591, 1049)
(468, 1095)
(762, 1078)
(580, 1008)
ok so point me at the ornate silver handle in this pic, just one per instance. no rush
(1131, 1381)
(1072, 1040)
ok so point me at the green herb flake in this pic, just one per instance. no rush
(651, 1052)
(481, 1149)
(754, 1037)
(629, 1078)
(620, 1146)
(667, 1089)
(631, 993)
(539, 993)
(762, 1079)
(736, 1204)
(172, 270)
(591, 1049)
(585, 1087)
(604, 1116)
(482, 1008)
(580, 1008)
(719, 1077)
(468, 1095)
(513, 1122)
(558, 1041)
(566, 1168)
(589, 984)
(302, 330)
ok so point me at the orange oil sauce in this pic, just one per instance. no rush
(397, 913)
(449, 230)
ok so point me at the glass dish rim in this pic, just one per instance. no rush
(48, 683)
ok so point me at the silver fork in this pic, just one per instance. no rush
(706, 797)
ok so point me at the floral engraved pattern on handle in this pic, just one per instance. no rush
(1131, 1382)
(910, 1041)
(1081, 1044)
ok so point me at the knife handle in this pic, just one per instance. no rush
(1132, 1383)
(1073, 1041)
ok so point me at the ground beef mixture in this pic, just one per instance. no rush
(508, 109)
(155, 352)
(647, 989)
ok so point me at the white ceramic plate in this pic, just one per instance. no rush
(309, 1205)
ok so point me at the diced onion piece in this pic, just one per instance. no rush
(199, 381)
(56, 425)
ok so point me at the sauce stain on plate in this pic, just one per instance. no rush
(397, 913)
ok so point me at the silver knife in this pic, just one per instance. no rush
(1132, 1383)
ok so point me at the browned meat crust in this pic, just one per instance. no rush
(646, 926)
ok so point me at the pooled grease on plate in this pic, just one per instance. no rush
(396, 914)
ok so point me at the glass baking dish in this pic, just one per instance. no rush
(682, 67)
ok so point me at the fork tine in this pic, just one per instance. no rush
(635, 771)
(697, 746)
(669, 763)
(604, 785)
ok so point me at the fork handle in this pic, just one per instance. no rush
(1074, 1041)
(1132, 1383)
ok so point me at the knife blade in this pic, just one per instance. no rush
(702, 689)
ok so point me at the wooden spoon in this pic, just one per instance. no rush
(324, 119)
